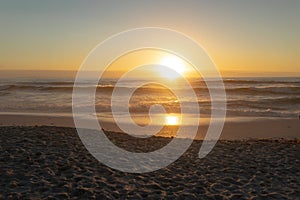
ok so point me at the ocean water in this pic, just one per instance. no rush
(246, 97)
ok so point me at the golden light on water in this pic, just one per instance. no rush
(172, 120)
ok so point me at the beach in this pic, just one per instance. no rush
(150, 100)
(256, 157)
(51, 162)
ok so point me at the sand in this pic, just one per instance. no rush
(51, 162)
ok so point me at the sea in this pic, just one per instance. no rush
(246, 98)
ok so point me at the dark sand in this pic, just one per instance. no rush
(51, 162)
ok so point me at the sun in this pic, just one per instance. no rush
(175, 63)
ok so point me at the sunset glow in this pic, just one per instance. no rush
(150, 99)
(175, 63)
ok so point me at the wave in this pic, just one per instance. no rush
(104, 88)
(264, 90)
(271, 102)
(268, 90)
(260, 81)
(252, 81)
(46, 83)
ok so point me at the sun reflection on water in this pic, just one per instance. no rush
(172, 120)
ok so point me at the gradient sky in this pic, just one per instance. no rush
(257, 36)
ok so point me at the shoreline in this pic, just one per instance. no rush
(257, 128)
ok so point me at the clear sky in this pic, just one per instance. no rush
(257, 36)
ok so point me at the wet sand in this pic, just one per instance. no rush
(51, 162)
(234, 128)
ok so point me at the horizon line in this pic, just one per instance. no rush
(224, 73)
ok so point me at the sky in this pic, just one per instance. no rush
(257, 37)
